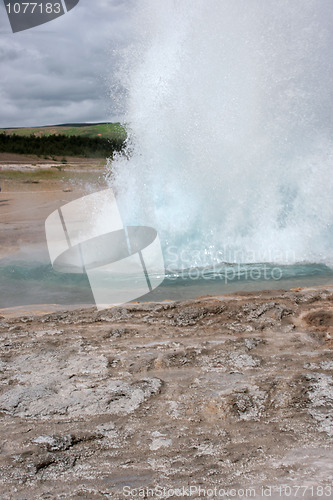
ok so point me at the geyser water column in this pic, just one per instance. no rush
(230, 113)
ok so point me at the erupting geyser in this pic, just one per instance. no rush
(230, 109)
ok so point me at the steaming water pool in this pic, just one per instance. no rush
(31, 283)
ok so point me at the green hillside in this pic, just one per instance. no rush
(90, 141)
(103, 130)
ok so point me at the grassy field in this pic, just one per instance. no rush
(17, 175)
(104, 130)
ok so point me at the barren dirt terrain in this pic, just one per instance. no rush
(32, 188)
(232, 393)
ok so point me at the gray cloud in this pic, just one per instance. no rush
(61, 71)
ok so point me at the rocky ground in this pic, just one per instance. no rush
(231, 393)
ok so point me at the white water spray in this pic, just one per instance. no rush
(230, 108)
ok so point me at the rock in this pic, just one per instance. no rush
(79, 396)
(319, 318)
(237, 389)
(158, 443)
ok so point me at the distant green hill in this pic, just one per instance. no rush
(92, 141)
(104, 130)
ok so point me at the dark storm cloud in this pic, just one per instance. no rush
(61, 71)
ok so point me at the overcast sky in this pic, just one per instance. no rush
(61, 71)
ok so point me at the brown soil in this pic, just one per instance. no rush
(221, 392)
(27, 200)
